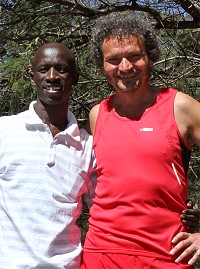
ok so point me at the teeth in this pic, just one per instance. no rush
(52, 89)
(126, 76)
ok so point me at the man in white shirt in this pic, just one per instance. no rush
(45, 165)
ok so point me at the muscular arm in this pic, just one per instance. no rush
(187, 116)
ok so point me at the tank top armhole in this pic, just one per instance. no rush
(178, 131)
(186, 149)
(182, 139)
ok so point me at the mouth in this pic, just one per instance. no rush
(53, 88)
(127, 76)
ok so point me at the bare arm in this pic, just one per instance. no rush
(90, 127)
(187, 115)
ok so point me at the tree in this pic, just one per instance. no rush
(26, 24)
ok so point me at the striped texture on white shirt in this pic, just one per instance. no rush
(42, 180)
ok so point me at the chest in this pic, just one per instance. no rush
(134, 141)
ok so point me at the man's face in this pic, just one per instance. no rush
(126, 63)
(52, 75)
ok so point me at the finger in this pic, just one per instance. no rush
(190, 223)
(195, 257)
(179, 247)
(190, 204)
(190, 212)
(184, 254)
(180, 236)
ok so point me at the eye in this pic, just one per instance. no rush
(113, 60)
(42, 69)
(62, 69)
(135, 57)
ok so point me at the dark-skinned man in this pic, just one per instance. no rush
(44, 171)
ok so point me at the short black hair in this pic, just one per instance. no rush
(68, 52)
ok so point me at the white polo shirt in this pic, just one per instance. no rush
(42, 180)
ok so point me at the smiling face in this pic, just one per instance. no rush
(53, 74)
(126, 63)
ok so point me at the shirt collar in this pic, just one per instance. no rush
(71, 130)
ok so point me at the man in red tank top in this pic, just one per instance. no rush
(143, 137)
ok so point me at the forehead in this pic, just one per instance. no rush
(51, 55)
(119, 43)
(51, 52)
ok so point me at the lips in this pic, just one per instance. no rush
(127, 76)
(53, 88)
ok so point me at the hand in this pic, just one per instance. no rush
(190, 217)
(188, 244)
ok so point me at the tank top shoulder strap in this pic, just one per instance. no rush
(165, 95)
(164, 111)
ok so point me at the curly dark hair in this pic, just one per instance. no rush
(122, 24)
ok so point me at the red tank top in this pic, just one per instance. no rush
(142, 185)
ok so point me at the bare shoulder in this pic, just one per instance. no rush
(187, 111)
(186, 107)
(94, 111)
(92, 119)
(184, 101)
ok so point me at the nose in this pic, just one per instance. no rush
(125, 65)
(52, 74)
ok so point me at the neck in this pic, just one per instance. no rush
(133, 104)
(55, 116)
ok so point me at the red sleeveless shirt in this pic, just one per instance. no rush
(142, 181)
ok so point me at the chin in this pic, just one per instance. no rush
(123, 88)
(127, 90)
(51, 102)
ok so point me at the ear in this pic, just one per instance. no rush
(31, 76)
(32, 81)
(75, 78)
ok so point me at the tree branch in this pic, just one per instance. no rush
(190, 7)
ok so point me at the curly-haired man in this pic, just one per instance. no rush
(143, 137)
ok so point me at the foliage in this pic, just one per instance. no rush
(26, 24)
(17, 91)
